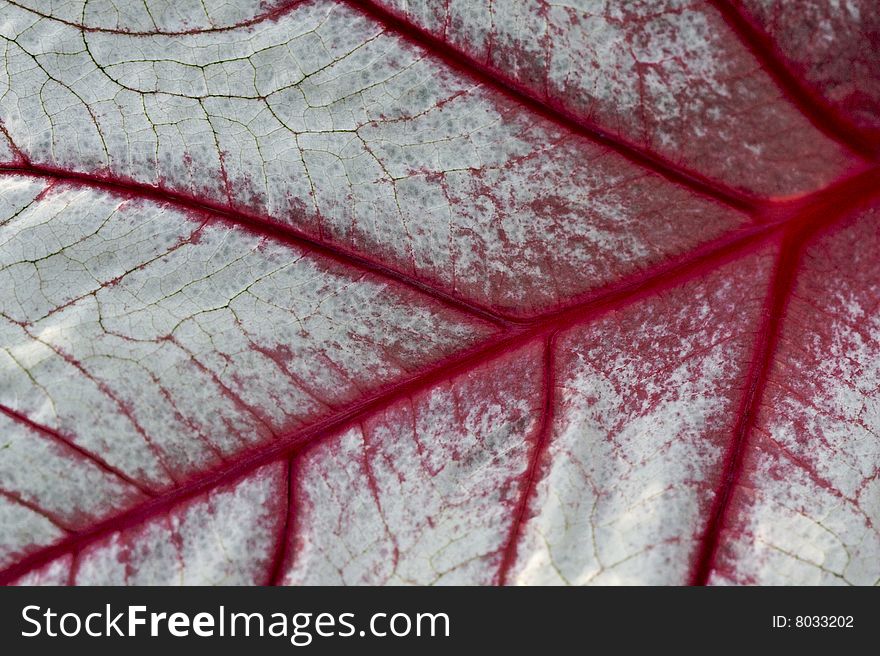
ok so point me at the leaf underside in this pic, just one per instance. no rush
(439, 291)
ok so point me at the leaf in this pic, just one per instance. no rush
(323, 291)
(830, 47)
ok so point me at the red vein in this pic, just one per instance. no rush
(16, 151)
(810, 104)
(276, 571)
(553, 110)
(52, 518)
(796, 218)
(74, 569)
(286, 445)
(94, 458)
(530, 479)
(247, 462)
(827, 207)
(259, 225)
(856, 186)
(756, 381)
(813, 106)
(489, 77)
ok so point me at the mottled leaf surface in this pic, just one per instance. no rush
(439, 292)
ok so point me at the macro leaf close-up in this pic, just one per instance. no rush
(477, 292)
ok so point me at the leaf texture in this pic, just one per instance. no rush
(439, 292)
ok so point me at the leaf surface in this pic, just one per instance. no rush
(427, 292)
(831, 47)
